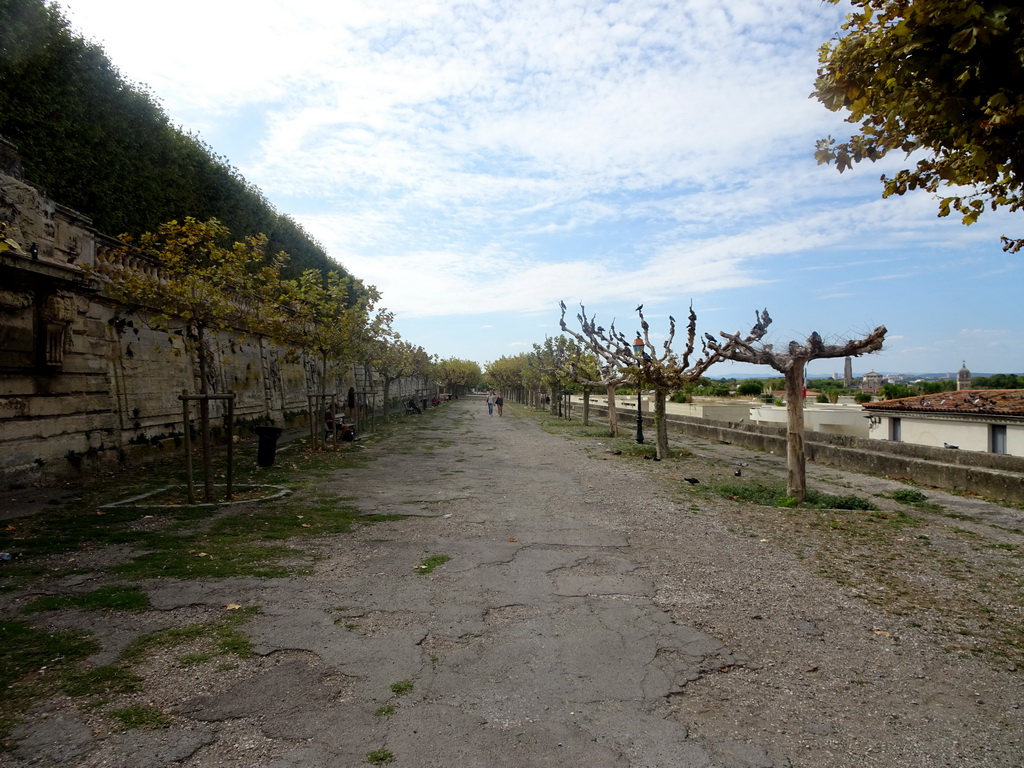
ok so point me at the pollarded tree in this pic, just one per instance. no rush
(333, 317)
(192, 282)
(638, 360)
(604, 373)
(792, 363)
(552, 361)
(394, 360)
(515, 375)
(456, 374)
(585, 369)
(943, 78)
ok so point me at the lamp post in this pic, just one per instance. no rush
(638, 350)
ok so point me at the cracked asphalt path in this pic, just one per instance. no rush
(537, 644)
(586, 616)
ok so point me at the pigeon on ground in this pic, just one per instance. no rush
(692, 480)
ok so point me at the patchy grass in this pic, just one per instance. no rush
(117, 597)
(775, 496)
(79, 522)
(107, 680)
(908, 496)
(140, 717)
(915, 498)
(186, 543)
(34, 664)
(245, 540)
(223, 637)
(380, 757)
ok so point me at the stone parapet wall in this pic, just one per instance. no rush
(990, 475)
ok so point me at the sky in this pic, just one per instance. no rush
(480, 161)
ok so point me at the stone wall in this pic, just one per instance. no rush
(84, 383)
(987, 474)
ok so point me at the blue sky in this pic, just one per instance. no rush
(480, 161)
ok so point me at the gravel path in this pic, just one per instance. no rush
(594, 611)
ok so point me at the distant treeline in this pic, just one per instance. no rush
(999, 381)
(104, 147)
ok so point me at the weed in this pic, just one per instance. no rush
(386, 711)
(775, 496)
(402, 687)
(140, 717)
(380, 757)
(431, 563)
(909, 496)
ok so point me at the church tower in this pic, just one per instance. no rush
(963, 378)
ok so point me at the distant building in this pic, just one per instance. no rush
(872, 382)
(963, 378)
(990, 421)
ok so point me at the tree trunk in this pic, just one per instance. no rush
(661, 423)
(387, 402)
(613, 415)
(555, 402)
(586, 406)
(796, 485)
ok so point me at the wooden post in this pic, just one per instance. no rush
(796, 485)
(231, 443)
(188, 447)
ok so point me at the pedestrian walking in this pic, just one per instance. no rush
(490, 403)
(500, 402)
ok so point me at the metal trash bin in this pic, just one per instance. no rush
(267, 448)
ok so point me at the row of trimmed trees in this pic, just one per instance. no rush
(191, 281)
(594, 357)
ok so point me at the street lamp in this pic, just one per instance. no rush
(638, 350)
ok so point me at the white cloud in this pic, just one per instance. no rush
(496, 156)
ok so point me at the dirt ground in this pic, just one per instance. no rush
(596, 609)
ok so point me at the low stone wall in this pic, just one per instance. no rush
(986, 474)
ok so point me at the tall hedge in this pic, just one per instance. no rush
(103, 146)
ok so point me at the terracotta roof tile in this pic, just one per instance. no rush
(1005, 402)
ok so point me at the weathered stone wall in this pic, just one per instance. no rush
(84, 383)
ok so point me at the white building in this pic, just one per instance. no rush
(991, 420)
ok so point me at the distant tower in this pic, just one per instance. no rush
(963, 378)
(848, 372)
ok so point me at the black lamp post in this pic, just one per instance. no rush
(638, 349)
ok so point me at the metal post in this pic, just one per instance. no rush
(639, 417)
